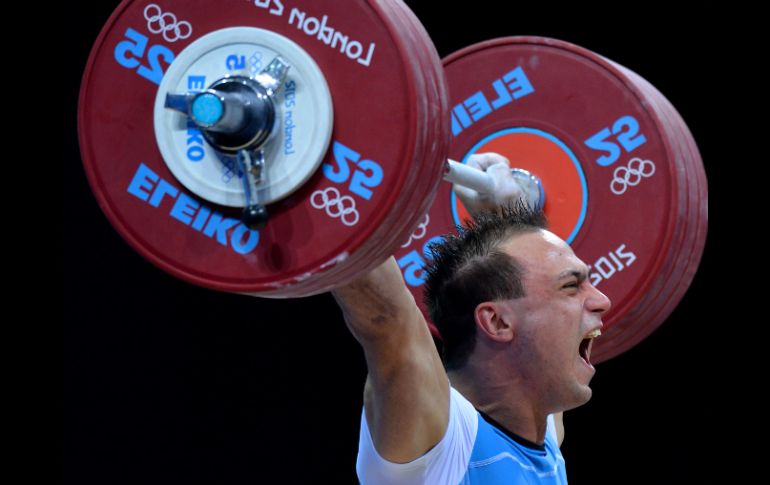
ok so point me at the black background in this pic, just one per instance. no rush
(165, 382)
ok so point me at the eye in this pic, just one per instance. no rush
(574, 284)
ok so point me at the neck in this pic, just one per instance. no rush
(506, 400)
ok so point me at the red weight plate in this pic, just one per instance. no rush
(636, 324)
(358, 49)
(428, 168)
(428, 162)
(682, 264)
(573, 119)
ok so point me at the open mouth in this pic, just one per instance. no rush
(585, 345)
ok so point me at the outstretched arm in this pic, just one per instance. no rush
(406, 398)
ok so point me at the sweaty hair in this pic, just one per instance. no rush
(469, 268)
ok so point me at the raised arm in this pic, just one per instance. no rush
(406, 398)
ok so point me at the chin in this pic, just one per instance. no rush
(586, 394)
(581, 396)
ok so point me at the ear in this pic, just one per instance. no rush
(495, 320)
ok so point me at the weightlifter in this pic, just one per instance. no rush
(517, 315)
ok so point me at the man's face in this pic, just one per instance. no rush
(559, 310)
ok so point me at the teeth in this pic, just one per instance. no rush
(594, 334)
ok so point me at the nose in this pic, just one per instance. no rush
(597, 301)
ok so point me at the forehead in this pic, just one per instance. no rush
(542, 254)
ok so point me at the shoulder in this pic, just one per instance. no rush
(447, 462)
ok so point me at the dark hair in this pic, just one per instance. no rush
(469, 268)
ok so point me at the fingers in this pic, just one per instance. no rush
(497, 166)
(484, 161)
(500, 170)
(506, 188)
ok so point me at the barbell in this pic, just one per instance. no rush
(280, 148)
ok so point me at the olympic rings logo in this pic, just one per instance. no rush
(421, 230)
(624, 177)
(158, 22)
(335, 205)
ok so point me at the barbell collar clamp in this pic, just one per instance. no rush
(252, 164)
(273, 76)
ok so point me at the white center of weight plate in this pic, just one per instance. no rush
(304, 116)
